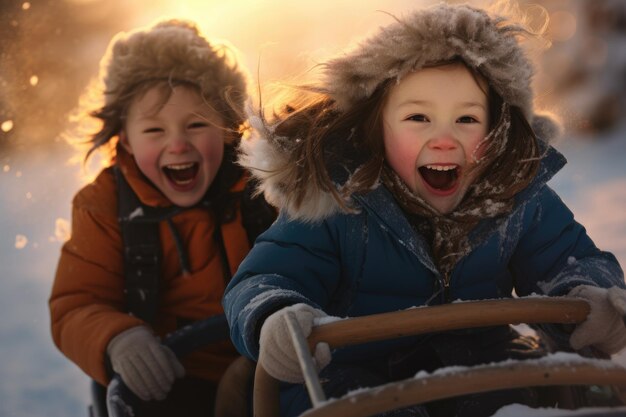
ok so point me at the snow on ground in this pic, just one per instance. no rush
(593, 184)
(35, 379)
(36, 192)
(518, 410)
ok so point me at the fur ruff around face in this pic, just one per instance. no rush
(434, 35)
(269, 158)
(173, 50)
(427, 37)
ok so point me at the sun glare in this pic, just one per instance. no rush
(281, 39)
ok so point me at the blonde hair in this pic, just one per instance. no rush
(168, 54)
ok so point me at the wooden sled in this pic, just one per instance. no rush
(553, 370)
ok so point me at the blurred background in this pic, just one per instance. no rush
(50, 50)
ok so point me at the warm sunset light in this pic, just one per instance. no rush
(282, 38)
(50, 52)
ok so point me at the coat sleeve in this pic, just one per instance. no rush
(86, 303)
(555, 254)
(292, 262)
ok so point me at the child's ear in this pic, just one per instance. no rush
(123, 137)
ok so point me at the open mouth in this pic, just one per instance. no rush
(181, 174)
(440, 177)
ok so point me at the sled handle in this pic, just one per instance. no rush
(266, 391)
(463, 315)
(311, 379)
(415, 321)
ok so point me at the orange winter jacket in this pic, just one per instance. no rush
(87, 300)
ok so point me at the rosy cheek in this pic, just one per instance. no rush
(403, 163)
(147, 160)
(407, 163)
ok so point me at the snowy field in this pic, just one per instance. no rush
(37, 189)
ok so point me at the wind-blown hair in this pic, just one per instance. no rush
(333, 153)
(169, 54)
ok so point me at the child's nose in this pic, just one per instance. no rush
(443, 141)
(178, 144)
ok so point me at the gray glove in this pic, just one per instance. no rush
(604, 327)
(146, 366)
(277, 355)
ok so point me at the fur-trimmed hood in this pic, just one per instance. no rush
(440, 33)
(173, 50)
(269, 158)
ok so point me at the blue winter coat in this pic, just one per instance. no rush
(373, 262)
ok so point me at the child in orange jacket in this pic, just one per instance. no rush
(171, 116)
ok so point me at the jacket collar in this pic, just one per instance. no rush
(551, 162)
(382, 206)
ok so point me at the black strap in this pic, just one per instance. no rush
(139, 225)
(142, 253)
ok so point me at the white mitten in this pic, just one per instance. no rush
(604, 327)
(146, 366)
(277, 355)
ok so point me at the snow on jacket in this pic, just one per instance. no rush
(87, 300)
(373, 262)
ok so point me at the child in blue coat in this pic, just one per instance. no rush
(417, 176)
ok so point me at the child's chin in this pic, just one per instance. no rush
(446, 205)
(185, 199)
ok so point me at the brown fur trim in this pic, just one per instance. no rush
(173, 50)
(430, 36)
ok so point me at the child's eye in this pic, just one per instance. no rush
(153, 130)
(467, 119)
(418, 118)
(197, 125)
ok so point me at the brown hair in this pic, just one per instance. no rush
(322, 136)
(167, 54)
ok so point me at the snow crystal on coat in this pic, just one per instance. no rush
(266, 295)
(138, 212)
(319, 321)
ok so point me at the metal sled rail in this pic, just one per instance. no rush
(434, 319)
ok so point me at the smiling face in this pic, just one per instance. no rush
(433, 121)
(178, 144)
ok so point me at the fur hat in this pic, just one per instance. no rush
(173, 50)
(437, 34)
